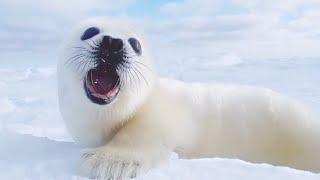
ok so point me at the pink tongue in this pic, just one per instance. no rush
(102, 84)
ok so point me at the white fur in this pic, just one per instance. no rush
(149, 120)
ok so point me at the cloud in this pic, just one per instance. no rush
(200, 7)
(251, 29)
(306, 23)
(275, 6)
(37, 25)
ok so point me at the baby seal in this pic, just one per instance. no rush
(114, 103)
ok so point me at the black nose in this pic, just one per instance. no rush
(112, 45)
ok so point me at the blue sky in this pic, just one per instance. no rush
(31, 30)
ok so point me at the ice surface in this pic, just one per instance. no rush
(30, 157)
(225, 169)
(35, 144)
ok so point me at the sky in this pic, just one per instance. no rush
(31, 30)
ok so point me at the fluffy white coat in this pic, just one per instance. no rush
(152, 117)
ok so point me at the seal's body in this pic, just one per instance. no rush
(250, 123)
(111, 99)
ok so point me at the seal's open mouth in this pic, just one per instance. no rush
(102, 85)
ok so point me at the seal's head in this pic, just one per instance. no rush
(104, 68)
(109, 58)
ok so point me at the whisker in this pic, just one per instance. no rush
(145, 80)
(142, 64)
(89, 55)
(137, 79)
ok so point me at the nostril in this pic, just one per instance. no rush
(112, 45)
(106, 41)
(116, 45)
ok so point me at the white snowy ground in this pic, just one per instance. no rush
(34, 143)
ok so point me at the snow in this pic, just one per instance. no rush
(30, 157)
(36, 145)
(225, 169)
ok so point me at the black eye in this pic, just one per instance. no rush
(135, 44)
(89, 33)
